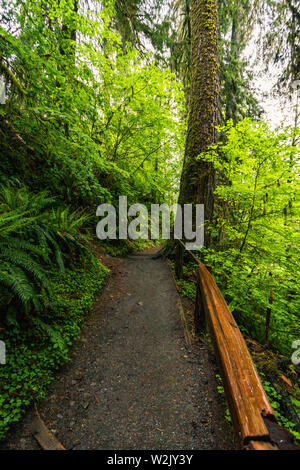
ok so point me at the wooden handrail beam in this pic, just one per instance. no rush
(253, 418)
(247, 400)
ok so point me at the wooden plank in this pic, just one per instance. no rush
(246, 397)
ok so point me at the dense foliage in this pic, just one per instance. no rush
(84, 121)
(40, 345)
(256, 232)
(87, 127)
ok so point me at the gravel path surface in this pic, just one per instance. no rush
(133, 383)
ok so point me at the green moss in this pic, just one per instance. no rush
(125, 247)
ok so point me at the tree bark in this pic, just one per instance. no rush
(198, 176)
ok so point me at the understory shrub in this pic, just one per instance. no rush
(38, 348)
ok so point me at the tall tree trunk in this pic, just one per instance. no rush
(231, 106)
(198, 176)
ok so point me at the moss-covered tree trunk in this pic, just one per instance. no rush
(198, 176)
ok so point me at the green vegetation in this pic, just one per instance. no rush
(276, 403)
(256, 233)
(83, 122)
(110, 98)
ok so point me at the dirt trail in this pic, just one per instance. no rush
(133, 383)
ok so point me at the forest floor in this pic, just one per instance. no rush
(133, 382)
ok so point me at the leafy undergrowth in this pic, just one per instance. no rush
(40, 347)
(281, 381)
(187, 285)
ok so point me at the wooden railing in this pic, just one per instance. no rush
(252, 416)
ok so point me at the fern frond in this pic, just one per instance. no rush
(24, 261)
(54, 336)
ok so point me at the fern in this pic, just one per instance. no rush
(16, 280)
(52, 334)
(35, 233)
